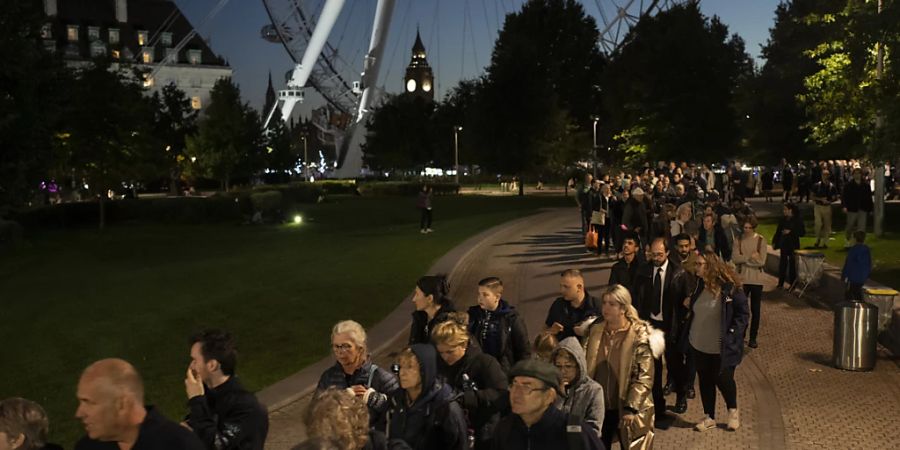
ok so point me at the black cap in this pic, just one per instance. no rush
(536, 368)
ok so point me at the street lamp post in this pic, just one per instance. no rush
(456, 131)
(305, 160)
(595, 155)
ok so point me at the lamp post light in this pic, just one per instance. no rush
(456, 131)
(595, 155)
(305, 160)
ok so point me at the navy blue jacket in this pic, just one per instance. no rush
(735, 315)
(562, 311)
(508, 326)
(858, 265)
(548, 433)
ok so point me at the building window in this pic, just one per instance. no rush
(147, 55)
(194, 56)
(115, 54)
(46, 31)
(93, 33)
(195, 103)
(142, 38)
(97, 49)
(72, 33)
(166, 38)
(171, 55)
(113, 36)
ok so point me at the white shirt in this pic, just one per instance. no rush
(662, 287)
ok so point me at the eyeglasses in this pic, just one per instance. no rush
(525, 389)
(342, 347)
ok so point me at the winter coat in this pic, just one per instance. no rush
(858, 265)
(421, 328)
(513, 344)
(369, 375)
(229, 417)
(156, 433)
(549, 433)
(434, 421)
(641, 345)
(561, 311)
(584, 396)
(483, 401)
(735, 315)
(790, 241)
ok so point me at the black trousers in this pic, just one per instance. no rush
(787, 267)
(712, 375)
(425, 221)
(754, 293)
(855, 292)
(610, 428)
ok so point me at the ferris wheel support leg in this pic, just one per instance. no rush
(317, 41)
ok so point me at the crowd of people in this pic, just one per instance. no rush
(685, 288)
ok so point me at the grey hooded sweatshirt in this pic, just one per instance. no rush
(584, 396)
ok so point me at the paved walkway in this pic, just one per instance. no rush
(789, 395)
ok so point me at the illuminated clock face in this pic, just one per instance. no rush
(411, 85)
(426, 85)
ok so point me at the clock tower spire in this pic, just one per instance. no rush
(419, 79)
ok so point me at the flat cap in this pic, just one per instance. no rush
(536, 368)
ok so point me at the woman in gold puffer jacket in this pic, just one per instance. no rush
(620, 352)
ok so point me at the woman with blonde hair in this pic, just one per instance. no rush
(341, 417)
(713, 331)
(620, 351)
(476, 375)
(354, 370)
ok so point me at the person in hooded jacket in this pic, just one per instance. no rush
(424, 413)
(473, 374)
(581, 396)
(496, 325)
(432, 301)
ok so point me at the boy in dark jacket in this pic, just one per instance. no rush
(857, 267)
(496, 325)
(787, 239)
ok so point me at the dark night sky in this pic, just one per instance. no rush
(235, 34)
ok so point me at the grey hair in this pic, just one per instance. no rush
(353, 329)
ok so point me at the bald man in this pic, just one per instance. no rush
(111, 407)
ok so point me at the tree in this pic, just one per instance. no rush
(669, 92)
(107, 130)
(229, 138)
(282, 152)
(175, 120)
(401, 134)
(32, 84)
(542, 83)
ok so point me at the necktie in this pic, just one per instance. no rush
(657, 291)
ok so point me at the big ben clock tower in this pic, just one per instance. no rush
(419, 79)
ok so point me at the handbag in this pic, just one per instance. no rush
(590, 239)
(598, 217)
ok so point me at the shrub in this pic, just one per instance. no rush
(266, 201)
(406, 189)
(10, 233)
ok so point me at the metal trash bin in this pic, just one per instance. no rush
(855, 336)
(884, 300)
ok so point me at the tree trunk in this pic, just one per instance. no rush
(173, 183)
(102, 211)
(878, 219)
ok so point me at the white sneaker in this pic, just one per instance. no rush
(734, 419)
(429, 230)
(422, 231)
(704, 424)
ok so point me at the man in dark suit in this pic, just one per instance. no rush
(662, 304)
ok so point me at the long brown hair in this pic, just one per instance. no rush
(718, 273)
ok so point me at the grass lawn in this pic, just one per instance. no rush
(138, 291)
(885, 250)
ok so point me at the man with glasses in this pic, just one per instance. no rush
(535, 423)
(662, 305)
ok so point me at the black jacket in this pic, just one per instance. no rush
(562, 311)
(857, 197)
(505, 321)
(675, 290)
(156, 433)
(229, 417)
(791, 241)
(549, 433)
(635, 216)
(484, 401)
(628, 275)
(735, 315)
(420, 331)
(718, 238)
(435, 421)
(368, 375)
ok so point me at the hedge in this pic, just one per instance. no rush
(401, 188)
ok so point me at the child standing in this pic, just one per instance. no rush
(497, 326)
(857, 266)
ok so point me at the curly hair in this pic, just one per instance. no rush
(452, 332)
(19, 416)
(339, 416)
(718, 273)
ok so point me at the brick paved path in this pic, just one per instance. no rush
(788, 394)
